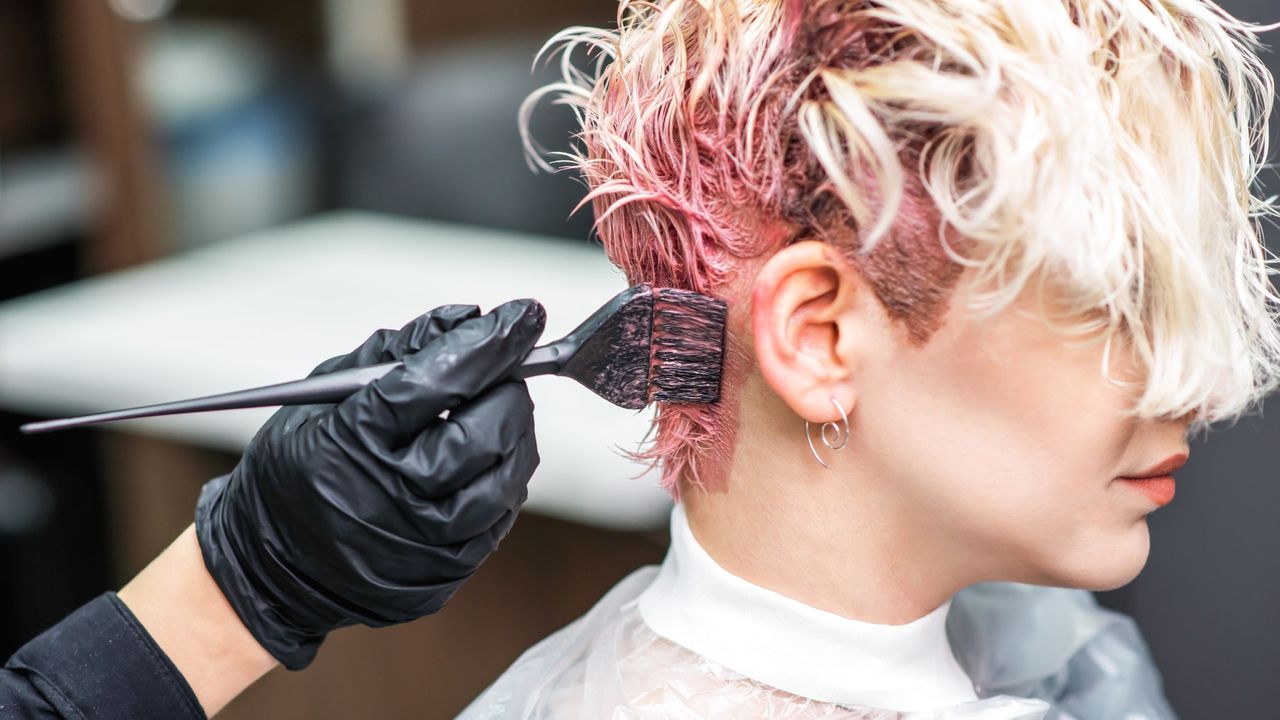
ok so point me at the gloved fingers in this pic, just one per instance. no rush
(502, 528)
(422, 568)
(387, 345)
(468, 555)
(456, 366)
(476, 436)
(476, 506)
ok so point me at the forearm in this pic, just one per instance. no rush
(187, 615)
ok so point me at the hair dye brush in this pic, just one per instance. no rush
(645, 344)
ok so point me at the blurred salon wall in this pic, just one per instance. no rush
(53, 554)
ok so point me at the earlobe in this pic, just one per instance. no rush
(804, 303)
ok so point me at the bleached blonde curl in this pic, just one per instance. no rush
(1111, 146)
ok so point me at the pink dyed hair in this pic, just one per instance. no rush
(921, 136)
(696, 165)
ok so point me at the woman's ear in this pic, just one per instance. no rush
(808, 308)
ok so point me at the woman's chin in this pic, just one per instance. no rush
(1108, 563)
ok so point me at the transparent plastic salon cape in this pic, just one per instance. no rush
(687, 640)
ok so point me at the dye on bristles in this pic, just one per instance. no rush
(687, 346)
(614, 362)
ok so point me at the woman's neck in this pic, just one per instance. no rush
(836, 540)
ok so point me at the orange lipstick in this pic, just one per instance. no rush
(1158, 489)
(1157, 483)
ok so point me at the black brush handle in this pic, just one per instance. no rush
(327, 388)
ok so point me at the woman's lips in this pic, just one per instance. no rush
(1158, 489)
(1157, 483)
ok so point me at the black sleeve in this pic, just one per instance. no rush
(98, 663)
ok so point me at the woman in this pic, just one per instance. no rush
(988, 264)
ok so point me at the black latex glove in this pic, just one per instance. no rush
(375, 510)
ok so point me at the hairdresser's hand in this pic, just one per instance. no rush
(376, 510)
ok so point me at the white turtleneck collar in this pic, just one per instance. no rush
(794, 647)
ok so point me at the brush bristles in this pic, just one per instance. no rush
(687, 347)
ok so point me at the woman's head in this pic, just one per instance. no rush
(1049, 205)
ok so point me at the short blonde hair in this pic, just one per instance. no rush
(1107, 147)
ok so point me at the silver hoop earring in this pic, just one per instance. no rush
(841, 434)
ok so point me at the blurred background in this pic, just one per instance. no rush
(149, 139)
